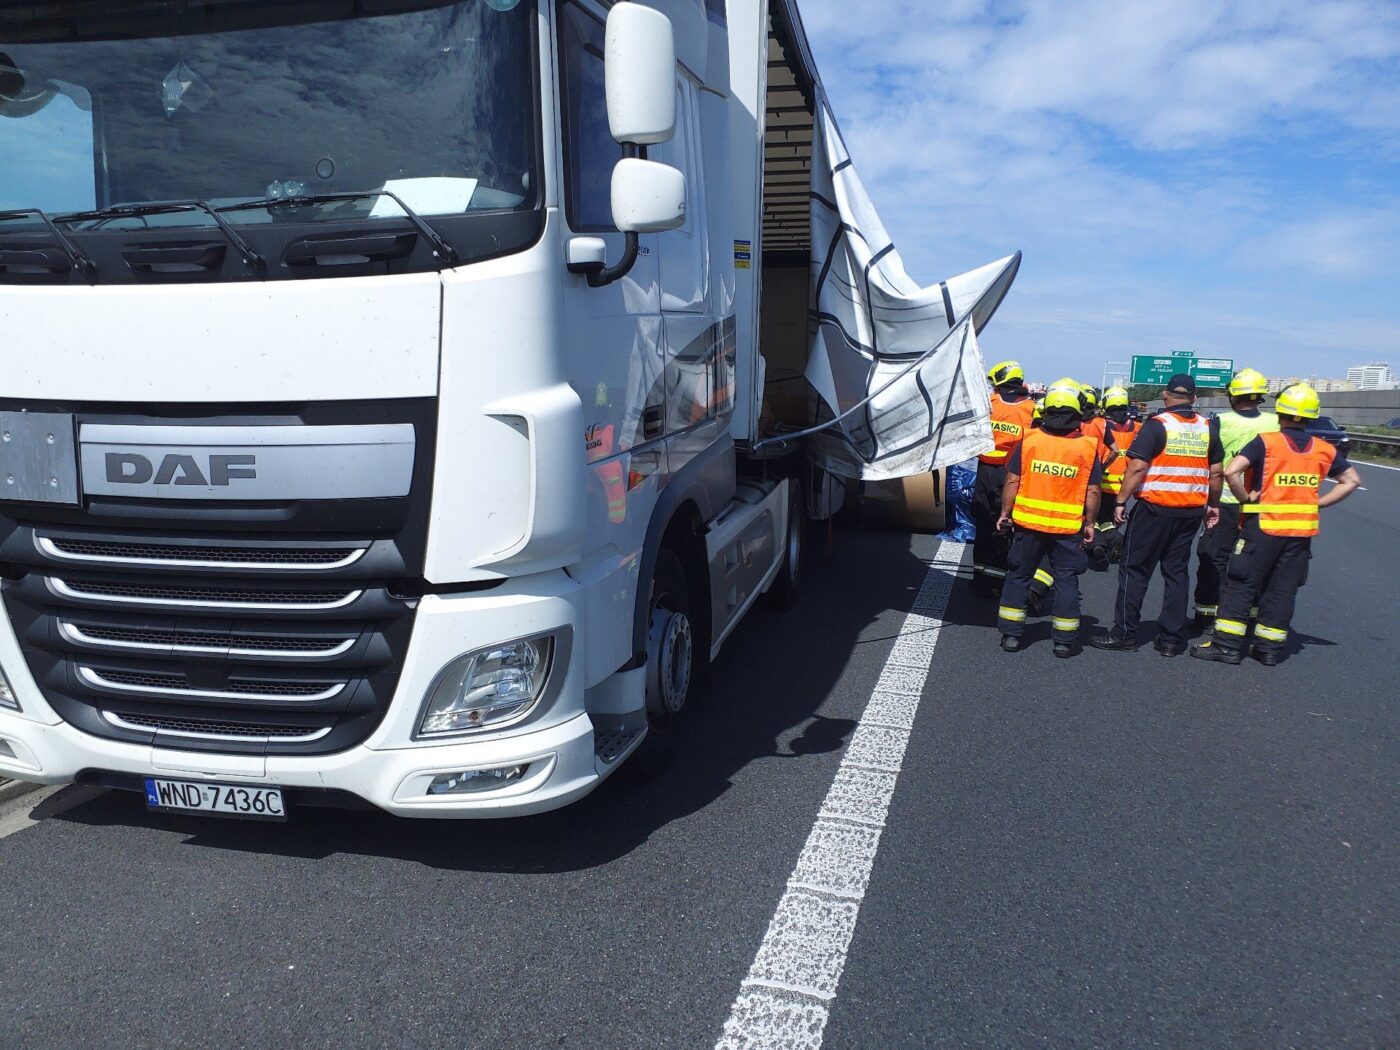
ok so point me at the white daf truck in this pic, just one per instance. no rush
(382, 388)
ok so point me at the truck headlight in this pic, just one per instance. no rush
(7, 695)
(489, 688)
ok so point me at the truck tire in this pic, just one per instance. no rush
(784, 590)
(672, 665)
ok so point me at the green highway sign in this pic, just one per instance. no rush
(1212, 371)
(1206, 371)
(1154, 371)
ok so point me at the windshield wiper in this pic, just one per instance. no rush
(441, 249)
(251, 258)
(79, 260)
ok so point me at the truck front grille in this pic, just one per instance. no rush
(223, 660)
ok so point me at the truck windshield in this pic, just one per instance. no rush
(229, 101)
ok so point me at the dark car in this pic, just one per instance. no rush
(1393, 424)
(1327, 428)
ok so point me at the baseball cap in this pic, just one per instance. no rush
(1181, 383)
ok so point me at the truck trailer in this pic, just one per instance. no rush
(401, 401)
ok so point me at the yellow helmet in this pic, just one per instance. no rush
(1005, 372)
(1115, 397)
(1037, 412)
(1299, 400)
(1247, 381)
(1063, 398)
(1072, 385)
(1091, 396)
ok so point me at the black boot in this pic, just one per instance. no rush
(1267, 657)
(1010, 644)
(1216, 653)
(1110, 641)
(1167, 648)
(1064, 650)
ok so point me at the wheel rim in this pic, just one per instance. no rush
(670, 646)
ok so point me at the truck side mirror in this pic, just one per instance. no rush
(640, 74)
(647, 197)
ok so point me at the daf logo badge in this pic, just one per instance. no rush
(132, 468)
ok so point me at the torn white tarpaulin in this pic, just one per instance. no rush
(872, 324)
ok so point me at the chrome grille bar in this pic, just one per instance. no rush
(176, 556)
(79, 636)
(100, 681)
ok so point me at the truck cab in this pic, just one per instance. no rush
(371, 405)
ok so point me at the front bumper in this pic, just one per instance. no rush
(560, 760)
(390, 770)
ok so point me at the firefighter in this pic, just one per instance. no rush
(1279, 505)
(1174, 470)
(1235, 429)
(1012, 408)
(1108, 541)
(1052, 499)
(1042, 580)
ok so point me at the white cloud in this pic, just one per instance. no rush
(1144, 154)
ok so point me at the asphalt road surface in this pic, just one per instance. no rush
(1118, 850)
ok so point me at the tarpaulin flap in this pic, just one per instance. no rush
(871, 326)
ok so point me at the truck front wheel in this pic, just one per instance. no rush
(671, 663)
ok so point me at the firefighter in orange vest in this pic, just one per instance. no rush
(1174, 470)
(1012, 409)
(1108, 544)
(1279, 505)
(1043, 579)
(1052, 499)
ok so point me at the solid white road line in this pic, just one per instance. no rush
(31, 809)
(15, 816)
(784, 1002)
(1378, 466)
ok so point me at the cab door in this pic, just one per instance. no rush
(693, 340)
(614, 334)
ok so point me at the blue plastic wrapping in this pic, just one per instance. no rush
(961, 481)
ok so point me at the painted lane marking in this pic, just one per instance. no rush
(1378, 466)
(784, 1002)
(28, 810)
(15, 815)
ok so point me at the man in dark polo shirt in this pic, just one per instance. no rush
(1174, 470)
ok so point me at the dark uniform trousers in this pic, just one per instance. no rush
(989, 547)
(1213, 557)
(1154, 539)
(1067, 562)
(1267, 573)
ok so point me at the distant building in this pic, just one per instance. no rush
(1375, 376)
(1322, 386)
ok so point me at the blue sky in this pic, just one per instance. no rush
(1181, 174)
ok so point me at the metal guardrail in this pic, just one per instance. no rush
(1383, 440)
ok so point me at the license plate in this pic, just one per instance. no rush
(229, 800)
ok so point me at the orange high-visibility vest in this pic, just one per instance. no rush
(1180, 475)
(1115, 468)
(1055, 472)
(1291, 486)
(1010, 423)
(598, 444)
(1096, 425)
